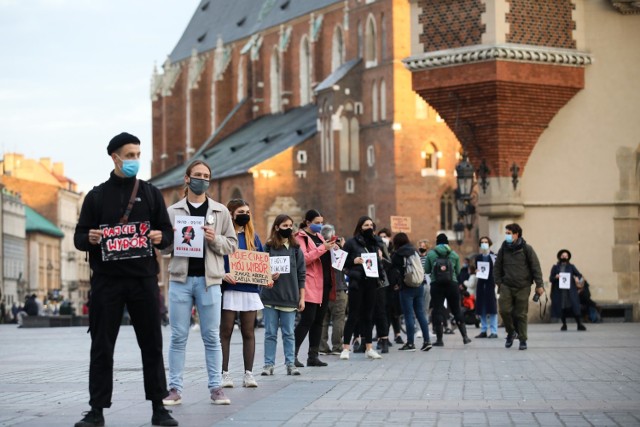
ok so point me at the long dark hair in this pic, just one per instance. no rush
(362, 220)
(400, 239)
(309, 216)
(275, 240)
(188, 172)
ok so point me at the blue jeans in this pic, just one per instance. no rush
(489, 321)
(286, 320)
(208, 301)
(412, 302)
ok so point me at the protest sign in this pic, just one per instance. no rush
(188, 238)
(401, 224)
(250, 267)
(338, 258)
(280, 264)
(370, 264)
(125, 241)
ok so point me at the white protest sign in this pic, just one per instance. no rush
(188, 238)
(370, 264)
(565, 280)
(482, 270)
(338, 257)
(280, 264)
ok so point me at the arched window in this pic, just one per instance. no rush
(446, 210)
(360, 40)
(383, 101)
(276, 103)
(383, 37)
(305, 71)
(337, 49)
(431, 156)
(344, 144)
(370, 54)
(240, 94)
(354, 136)
(349, 142)
(374, 102)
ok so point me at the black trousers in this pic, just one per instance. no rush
(449, 292)
(362, 301)
(310, 323)
(380, 316)
(109, 295)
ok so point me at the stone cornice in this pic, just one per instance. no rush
(503, 52)
(626, 7)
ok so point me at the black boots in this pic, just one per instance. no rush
(91, 418)
(463, 332)
(438, 330)
(161, 416)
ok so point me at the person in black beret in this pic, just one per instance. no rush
(565, 279)
(124, 278)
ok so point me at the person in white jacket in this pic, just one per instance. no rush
(197, 280)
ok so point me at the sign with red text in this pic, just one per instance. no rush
(250, 267)
(401, 224)
(188, 237)
(126, 241)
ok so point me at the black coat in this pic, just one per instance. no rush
(486, 290)
(355, 247)
(398, 259)
(559, 296)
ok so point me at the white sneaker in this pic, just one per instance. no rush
(372, 354)
(419, 334)
(227, 381)
(248, 380)
(345, 354)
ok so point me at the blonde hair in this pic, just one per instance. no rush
(249, 233)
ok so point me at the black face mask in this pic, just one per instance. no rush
(368, 233)
(242, 219)
(285, 233)
(422, 250)
(564, 260)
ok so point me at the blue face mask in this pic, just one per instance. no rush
(316, 228)
(508, 238)
(130, 167)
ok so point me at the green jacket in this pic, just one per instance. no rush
(517, 266)
(435, 253)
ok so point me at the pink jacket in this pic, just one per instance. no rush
(314, 281)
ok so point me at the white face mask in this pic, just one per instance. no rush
(484, 246)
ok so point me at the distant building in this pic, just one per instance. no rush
(13, 247)
(44, 242)
(43, 186)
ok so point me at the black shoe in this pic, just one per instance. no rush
(523, 345)
(466, 340)
(438, 343)
(482, 335)
(91, 418)
(407, 347)
(298, 363)
(360, 348)
(314, 362)
(449, 331)
(509, 342)
(398, 339)
(564, 327)
(493, 336)
(162, 417)
(426, 346)
(581, 327)
(385, 345)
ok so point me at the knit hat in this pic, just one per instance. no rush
(442, 239)
(122, 139)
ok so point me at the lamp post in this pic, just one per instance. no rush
(466, 210)
(458, 229)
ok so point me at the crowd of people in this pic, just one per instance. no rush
(369, 279)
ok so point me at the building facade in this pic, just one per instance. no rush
(298, 105)
(545, 96)
(14, 271)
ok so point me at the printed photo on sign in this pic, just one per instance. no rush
(565, 280)
(125, 241)
(188, 237)
(280, 264)
(338, 257)
(250, 267)
(370, 264)
(482, 271)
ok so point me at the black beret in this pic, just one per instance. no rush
(561, 251)
(442, 239)
(122, 139)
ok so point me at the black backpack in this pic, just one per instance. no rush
(442, 269)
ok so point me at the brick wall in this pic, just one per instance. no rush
(541, 23)
(450, 23)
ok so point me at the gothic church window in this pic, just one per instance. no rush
(275, 82)
(305, 71)
(370, 53)
(337, 49)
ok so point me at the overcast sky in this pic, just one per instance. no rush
(77, 72)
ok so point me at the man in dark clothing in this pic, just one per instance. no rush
(122, 281)
(516, 267)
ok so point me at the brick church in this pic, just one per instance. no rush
(304, 104)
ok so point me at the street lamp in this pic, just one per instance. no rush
(464, 172)
(470, 216)
(458, 229)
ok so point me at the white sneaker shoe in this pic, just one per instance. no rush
(419, 334)
(345, 354)
(227, 381)
(372, 354)
(248, 380)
